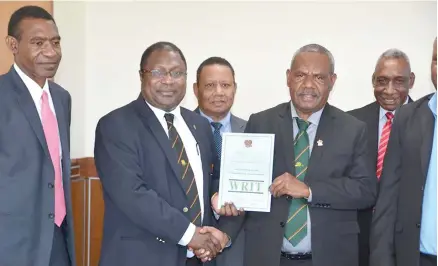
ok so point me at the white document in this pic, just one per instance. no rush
(246, 170)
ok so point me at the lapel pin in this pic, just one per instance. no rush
(319, 143)
(183, 162)
(194, 126)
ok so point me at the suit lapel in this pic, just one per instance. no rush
(372, 120)
(201, 147)
(427, 128)
(287, 138)
(324, 132)
(190, 124)
(28, 106)
(235, 125)
(158, 132)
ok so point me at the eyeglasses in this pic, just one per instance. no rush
(160, 74)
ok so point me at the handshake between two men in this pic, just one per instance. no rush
(209, 241)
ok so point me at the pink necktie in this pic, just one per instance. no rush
(50, 127)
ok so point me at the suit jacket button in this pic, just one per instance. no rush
(282, 224)
(50, 185)
(418, 225)
(185, 209)
(51, 215)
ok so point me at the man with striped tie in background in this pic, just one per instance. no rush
(392, 81)
(321, 176)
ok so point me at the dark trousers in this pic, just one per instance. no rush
(427, 260)
(364, 218)
(59, 255)
(193, 262)
(287, 262)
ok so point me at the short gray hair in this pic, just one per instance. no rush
(316, 48)
(394, 53)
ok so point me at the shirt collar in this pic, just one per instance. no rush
(226, 121)
(382, 112)
(159, 113)
(33, 87)
(313, 118)
(432, 104)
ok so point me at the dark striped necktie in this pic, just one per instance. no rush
(187, 175)
(296, 227)
(217, 138)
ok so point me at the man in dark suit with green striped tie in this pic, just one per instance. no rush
(322, 174)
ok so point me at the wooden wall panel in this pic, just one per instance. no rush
(6, 10)
(79, 197)
(96, 219)
(88, 211)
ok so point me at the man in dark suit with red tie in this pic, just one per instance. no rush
(404, 226)
(392, 80)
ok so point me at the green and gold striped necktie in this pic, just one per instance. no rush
(296, 227)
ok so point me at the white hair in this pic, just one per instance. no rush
(394, 54)
(316, 48)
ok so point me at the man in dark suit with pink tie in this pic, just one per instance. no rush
(36, 223)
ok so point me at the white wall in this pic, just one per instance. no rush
(71, 20)
(103, 43)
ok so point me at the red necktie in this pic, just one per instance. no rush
(50, 127)
(384, 143)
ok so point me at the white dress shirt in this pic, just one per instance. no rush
(192, 150)
(37, 92)
(305, 245)
(382, 117)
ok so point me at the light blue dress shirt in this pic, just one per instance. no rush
(226, 122)
(428, 233)
(305, 245)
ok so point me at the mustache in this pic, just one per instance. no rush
(309, 91)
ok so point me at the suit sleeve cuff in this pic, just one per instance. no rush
(188, 235)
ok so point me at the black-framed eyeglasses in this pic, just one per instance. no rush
(160, 74)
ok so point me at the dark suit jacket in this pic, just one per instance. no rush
(395, 230)
(341, 180)
(232, 256)
(27, 175)
(370, 115)
(237, 123)
(143, 194)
